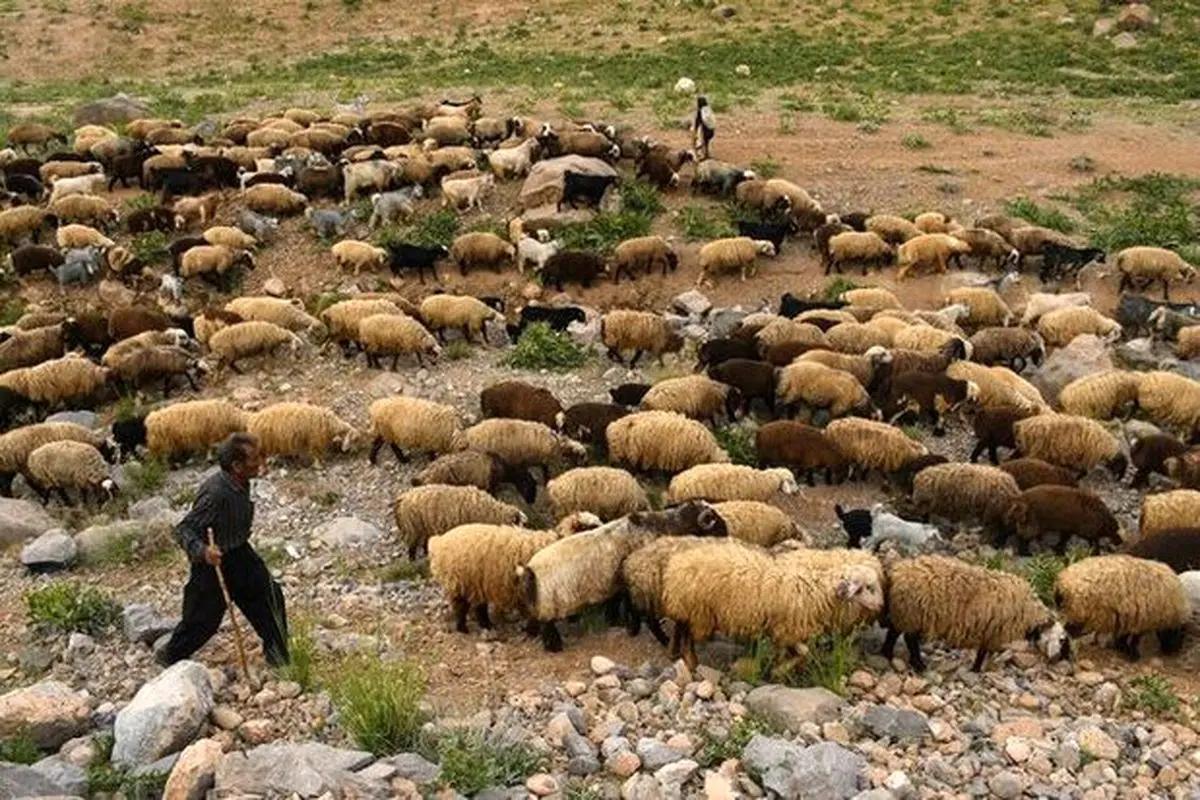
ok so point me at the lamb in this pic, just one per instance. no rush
(520, 443)
(1066, 510)
(441, 311)
(931, 395)
(796, 446)
(189, 210)
(395, 335)
(987, 308)
(532, 251)
(871, 445)
(985, 244)
(481, 470)
(284, 313)
(585, 569)
(84, 184)
(887, 527)
(607, 492)
(1149, 264)
(519, 400)
(1101, 395)
(821, 387)
(467, 193)
(351, 253)
(629, 395)
(964, 492)
(67, 464)
(1031, 472)
(17, 444)
(1070, 441)
(965, 606)
(574, 266)
(300, 429)
(246, 339)
(643, 254)
(1167, 510)
(721, 482)
(71, 379)
(854, 247)
(694, 396)
(275, 199)
(1170, 400)
(723, 255)
(745, 592)
(929, 250)
(78, 236)
(639, 331)
(1014, 348)
(1059, 327)
(1126, 597)
(1041, 303)
(480, 249)
(662, 441)
(424, 512)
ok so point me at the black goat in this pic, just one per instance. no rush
(588, 188)
(1059, 260)
(557, 318)
(1133, 311)
(791, 306)
(402, 256)
(572, 266)
(856, 522)
(773, 232)
(716, 351)
(26, 186)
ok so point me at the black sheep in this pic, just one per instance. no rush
(26, 186)
(1178, 548)
(23, 166)
(557, 318)
(791, 306)
(925, 394)
(403, 256)
(214, 171)
(30, 258)
(178, 181)
(320, 181)
(1149, 453)
(751, 379)
(1059, 260)
(572, 266)
(773, 232)
(588, 422)
(857, 220)
(629, 394)
(155, 218)
(1133, 311)
(88, 331)
(181, 245)
(588, 188)
(856, 522)
(714, 351)
(126, 166)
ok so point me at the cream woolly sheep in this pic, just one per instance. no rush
(865, 248)
(987, 308)
(233, 238)
(863, 367)
(1042, 303)
(395, 335)
(275, 199)
(965, 492)
(182, 429)
(721, 482)
(585, 570)
(84, 184)
(643, 255)
(51, 383)
(475, 564)
(288, 314)
(999, 387)
(55, 171)
(413, 424)
(607, 492)
(520, 443)
(985, 244)
(480, 249)
(1059, 327)
(427, 511)
(513, 162)
(1031, 240)
(300, 429)
(368, 177)
(1187, 345)
(1014, 348)
(928, 339)
(640, 331)
(783, 330)
(694, 396)
(757, 523)
(856, 338)
(966, 606)
(892, 229)
(1179, 508)
(872, 445)
(1171, 400)
(30, 348)
(351, 253)
(745, 593)
(1102, 395)
(246, 339)
(344, 317)
(466, 193)
(929, 250)
(143, 365)
(85, 208)
(75, 236)
(441, 311)
(871, 297)
(196, 209)
(481, 470)
(17, 223)
(1068, 441)
(820, 387)
(1126, 597)
(726, 255)
(17, 444)
(66, 465)
(642, 574)
(661, 441)
(932, 222)
(212, 260)
(1149, 264)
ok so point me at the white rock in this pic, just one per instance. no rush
(164, 716)
(685, 86)
(53, 549)
(602, 666)
(743, 70)
(347, 532)
(49, 713)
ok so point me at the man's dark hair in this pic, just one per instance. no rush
(233, 449)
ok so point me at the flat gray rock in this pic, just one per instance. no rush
(144, 625)
(72, 778)
(824, 770)
(19, 783)
(111, 110)
(94, 542)
(87, 419)
(895, 723)
(306, 770)
(21, 520)
(54, 549)
(413, 767)
(793, 708)
(347, 532)
(164, 716)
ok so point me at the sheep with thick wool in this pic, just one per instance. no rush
(871, 297)
(520, 443)
(247, 339)
(640, 331)
(83, 184)
(1059, 328)
(227, 236)
(1169, 399)
(1187, 344)
(1102, 395)
(1031, 472)
(17, 444)
(343, 318)
(999, 387)
(395, 335)
(856, 338)
(745, 592)
(289, 314)
(757, 523)
(607, 492)
(68, 464)
(52, 383)
(892, 229)
(820, 387)
(356, 255)
(1125, 597)
(212, 260)
(29, 348)
(986, 306)
(888, 327)
(1145, 265)
(800, 448)
(1069, 441)
(441, 311)
(481, 470)
(585, 570)
(662, 441)
(211, 320)
(1179, 508)
(783, 331)
(520, 400)
(965, 606)
(480, 249)
(1065, 510)
(854, 247)
(863, 367)
(869, 445)
(964, 492)
(733, 254)
(986, 244)
(301, 430)
(476, 564)
(694, 396)
(930, 251)
(928, 338)
(412, 424)
(721, 482)
(183, 429)
(643, 255)
(1041, 303)
(642, 576)
(427, 511)
(143, 365)
(85, 208)
(22, 221)
(71, 237)
(275, 199)
(1011, 347)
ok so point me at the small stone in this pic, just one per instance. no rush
(541, 784)
(1030, 702)
(288, 689)
(623, 764)
(1089, 678)
(194, 771)
(724, 12)
(1018, 750)
(574, 688)
(1108, 696)
(1067, 756)
(681, 743)
(835, 732)
(717, 787)
(1124, 41)
(1025, 727)
(791, 708)
(256, 731)
(861, 679)
(685, 86)
(1007, 784)
(54, 549)
(275, 287)
(673, 776)
(1098, 744)
(226, 718)
(899, 785)
(558, 728)
(692, 303)
(654, 754)
(705, 690)
(601, 665)
(897, 723)
(742, 70)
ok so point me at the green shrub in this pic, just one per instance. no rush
(472, 762)
(379, 702)
(11, 310)
(1152, 693)
(1044, 216)
(714, 752)
(915, 141)
(457, 350)
(127, 408)
(65, 607)
(405, 570)
(105, 778)
(766, 167)
(323, 300)
(151, 248)
(1153, 209)
(641, 197)
(738, 441)
(146, 477)
(838, 285)
(695, 223)
(440, 227)
(19, 749)
(541, 347)
(605, 231)
(831, 660)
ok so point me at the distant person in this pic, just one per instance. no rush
(704, 127)
(223, 508)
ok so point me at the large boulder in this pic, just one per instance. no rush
(98, 540)
(21, 520)
(310, 769)
(49, 713)
(111, 110)
(194, 772)
(164, 716)
(825, 770)
(347, 532)
(1085, 355)
(53, 550)
(544, 185)
(19, 783)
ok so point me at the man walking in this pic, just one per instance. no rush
(704, 127)
(223, 510)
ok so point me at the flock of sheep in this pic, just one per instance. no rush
(719, 557)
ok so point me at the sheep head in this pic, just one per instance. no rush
(1051, 639)
(860, 584)
(787, 481)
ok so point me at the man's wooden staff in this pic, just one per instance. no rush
(237, 632)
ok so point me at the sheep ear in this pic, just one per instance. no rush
(847, 588)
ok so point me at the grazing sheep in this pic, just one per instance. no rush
(368, 176)
(79, 236)
(999, 387)
(643, 254)
(288, 314)
(588, 422)
(787, 331)
(1041, 303)
(820, 387)
(232, 238)
(520, 443)
(413, 424)
(965, 606)
(871, 297)
(67, 464)
(639, 331)
(928, 395)
(867, 249)
(871, 445)
(965, 492)
(694, 396)
(300, 429)
(1031, 240)
(33, 258)
(1167, 510)
(867, 368)
(892, 229)
(724, 255)
(1065, 510)
(929, 250)
(213, 260)
(1126, 597)
(758, 523)
(1178, 548)
(18, 223)
(799, 447)
(1149, 455)
(424, 512)
(1031, 472)
(1145, 265)
(642, 574)
(994, 428)
(749, 379)
(395, 335)
(402, 256)
(513, 162)
(388, 207)
(481, 470)
(274, 199)
(465, 194)
(351, 253)
(190, 210)
(441, 311)
(145, 364)
(573, 266)
(1059, 327)
(985, 244)
(856, 338)
(67, 380)
(246, 339)
(519, 400)
(30, 348)
(662, 441)
(607, 492)
(155, 218)
(987, 308)
(85, 208)
(1171, 400)
(1102, 395)
(480, 249)
(721, 482)
(1014, 348)
(343, 318)
(17, 444)
(54, 171)
(1069, 441)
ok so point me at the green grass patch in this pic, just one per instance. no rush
(106, 779)
(713, 752)
(696, 223)
(766, 167)
(738, 442)
(837, 287)
(379, 702)
(1155, 209)
(440, 227)
(319, 302)
(19, 749)
(541, 347)
(146, 477)
(915, 141)
(830, 661)
(150, 248)
(139, 201)
(457, 350)
(640, 204)
(935, 169)
(472, 762)
(953, 118)
(326, 499)
(404, 570)
(11, 310)
(302, 651)
(64, 607)
(1152, 693)
(1045, 216)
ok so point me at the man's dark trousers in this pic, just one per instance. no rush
(251, 588)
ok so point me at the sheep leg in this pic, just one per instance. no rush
(1170, 641)
(1131, 646)
(551, 639)
(396, 361)
(889, 643)
(636, 354)
(980, 657)
(66, 498)
(482, 618)
(1166, 289)
(376, 446)
(811, 481)
(913, 642)
(1140, 478)
(633, 623)
(233, 366)
(939, 426)
(399, 454)
(687, 646)
(460, 606)
(655, 627)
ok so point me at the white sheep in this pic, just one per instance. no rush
(466, 193)
(532, 251)
(889, 527)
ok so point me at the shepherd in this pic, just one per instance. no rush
(704, 127)
(223, 507)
